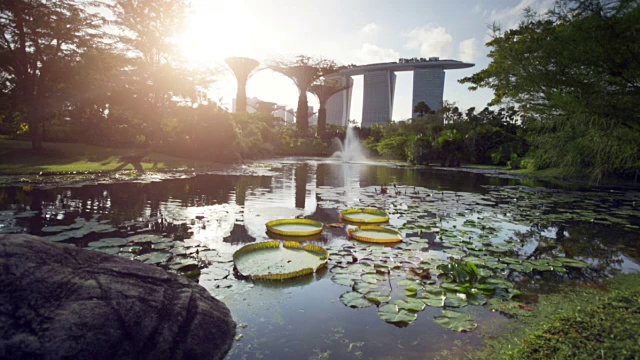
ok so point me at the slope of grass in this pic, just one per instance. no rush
(16, 157)
(583, 323)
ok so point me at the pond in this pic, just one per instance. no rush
(371, 301)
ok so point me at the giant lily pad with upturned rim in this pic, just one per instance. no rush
(269, 261)
(375, 234)
(364, 216)
(295, 227)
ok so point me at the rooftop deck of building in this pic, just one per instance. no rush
(405, 65)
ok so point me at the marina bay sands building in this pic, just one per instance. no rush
(379, 88)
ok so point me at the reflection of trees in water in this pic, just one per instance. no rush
(124, 202)
(597, 244)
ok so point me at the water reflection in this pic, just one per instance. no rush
(219, 213)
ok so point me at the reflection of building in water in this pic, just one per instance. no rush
(301, 173)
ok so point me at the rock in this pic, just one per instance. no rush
(58, 301)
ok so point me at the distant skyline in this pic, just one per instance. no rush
(349, 32)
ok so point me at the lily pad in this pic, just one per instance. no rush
(268, 261)
(573, 263)
(434, 301)
(456, 300)
(455, 321)
(411, 304)
(184, 265)
(108, 250)
(400, 317)
(345, 279)
(366, 216)
(295, 227)
(108, 242)
(131, 249)
(58, 228)
(154, 258)
(363, 287)
(376, 297)
(143, 238)
(355, 300)
(375, 234)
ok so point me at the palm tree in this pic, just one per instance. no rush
(242, 68)
(323, 90)
(304, 71)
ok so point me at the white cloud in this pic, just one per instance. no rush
(369, 53)
(468, 49)
(432, 41)
(370, 29)
(509, 18)
(481, 11)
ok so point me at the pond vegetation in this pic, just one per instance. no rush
(475, 251)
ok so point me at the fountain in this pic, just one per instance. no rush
(351, 150)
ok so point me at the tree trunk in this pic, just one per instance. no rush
(35, 125)
(241, 97)
(322, 120)
(302, 120)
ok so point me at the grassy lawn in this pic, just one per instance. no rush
(16, 157)
(582, 323)
(488, 167)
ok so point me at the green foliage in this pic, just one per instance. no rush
(450, 137)
(422, 109)
(452, 147)
(394, 146)
(460, 272)
(576, 74)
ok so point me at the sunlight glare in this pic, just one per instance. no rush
(216, 30)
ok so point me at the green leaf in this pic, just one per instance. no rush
(108, 242)
(456, 300)
(573, 263)
(344, 279)
(268, 260)
(391, 314)
(154, 258)
(436, 301)
(455, 321)
(411, 304)
(377, 297)
(355, 300)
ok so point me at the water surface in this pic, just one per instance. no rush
(184, 223)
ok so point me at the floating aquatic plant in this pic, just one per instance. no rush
(455, 321)
(394, 315)
(375, 234)
(295, 227)
(364, 216)
(269, 261)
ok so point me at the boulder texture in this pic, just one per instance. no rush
(59, 301)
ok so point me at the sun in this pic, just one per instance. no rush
(215, 30)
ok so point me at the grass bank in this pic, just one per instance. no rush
(16, 157)
(582, 323)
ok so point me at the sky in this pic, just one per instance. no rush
(349, 32)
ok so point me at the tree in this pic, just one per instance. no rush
(422, 109)
(575, 72)
(323, 90)
(304, 71)
(41, 42)
(242, 68)
(155, 78)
